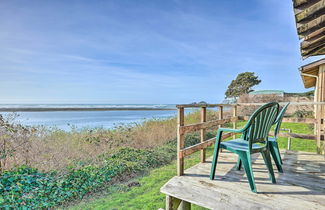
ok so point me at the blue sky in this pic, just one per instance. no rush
(143, 51)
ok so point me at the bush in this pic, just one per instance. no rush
(303, 114)
(27, 187)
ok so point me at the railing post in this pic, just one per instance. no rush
(203, 119)
(220, 114)
(220, 118)
(289, 140)
(234, 114)
(180, 141)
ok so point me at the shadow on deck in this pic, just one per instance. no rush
(301, 186)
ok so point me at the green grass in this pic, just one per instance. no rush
(147, 195)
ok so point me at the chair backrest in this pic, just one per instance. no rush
(279, 119)
(260, 123)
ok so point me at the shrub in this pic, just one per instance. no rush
(27, 187)
(303, 114)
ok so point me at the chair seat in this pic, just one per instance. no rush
(271, 139)
(239, 144)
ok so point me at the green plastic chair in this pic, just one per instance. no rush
(253, 140)
(274, 148)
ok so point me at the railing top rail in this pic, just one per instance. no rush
(203, 105)
(283, 103)
(243, 104)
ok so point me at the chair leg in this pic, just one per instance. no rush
(268, 163)
(215, 159)
(245, 157)
(274, 150)
(239, 163)
(278, 152)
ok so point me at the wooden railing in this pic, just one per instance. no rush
(203, 125)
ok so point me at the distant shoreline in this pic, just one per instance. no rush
(80, 109)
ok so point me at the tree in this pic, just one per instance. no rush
(242, 84)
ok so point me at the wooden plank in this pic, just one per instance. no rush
(184, 205)
(300, 120)
(234, 115)
(296, 135)
(311, 26)
(180, 141)
(301, 186)
(297, 3)
(310, 11)
(286, 119)
(314, 40)
(315, 50)
(243, 104)
(202, 105)
(172, 203)
(220, 113)
(283, 103)
(198, 126)
(197, 147)
(202, 133)
(309, 46)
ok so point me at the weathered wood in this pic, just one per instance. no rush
(202, 105)
(202, 133)
(296, 135)
(310, 22)
(299, 120)
(197, 147)
(220, 113)
(184, 205)
(319, 114)
(234, 115)
(198, 126)
(286, 119)
(301, 186)
(283, 103)
(310, 11)
(298, 3)
(172, 203)
(180, 141)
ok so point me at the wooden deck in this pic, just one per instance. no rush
(301, 186)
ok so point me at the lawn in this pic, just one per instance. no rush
(146, 195)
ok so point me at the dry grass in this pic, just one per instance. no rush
(56, 149)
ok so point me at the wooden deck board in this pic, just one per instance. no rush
(301, 186)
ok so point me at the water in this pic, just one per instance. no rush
(65, 120)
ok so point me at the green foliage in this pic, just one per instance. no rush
(146, 195)
(242, 84)
(303, 114)
(27, 187)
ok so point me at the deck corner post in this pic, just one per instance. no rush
(180, 141)
(234, 114)
(220, 112)
(172, 203)
(184, 205)
(203, 119)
